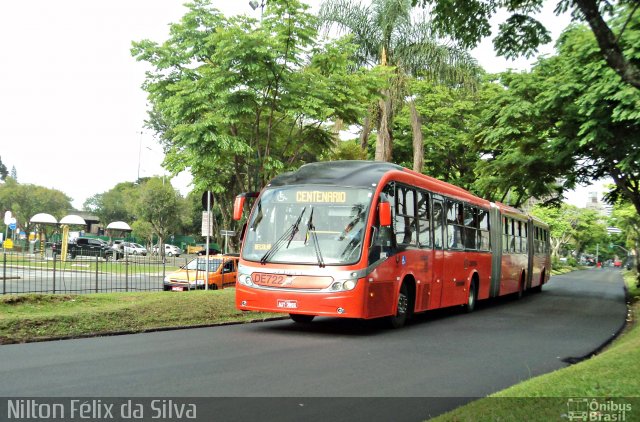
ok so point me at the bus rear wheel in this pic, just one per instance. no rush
(301, 318)
(473, 297)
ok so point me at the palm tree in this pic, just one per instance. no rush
(388, 35)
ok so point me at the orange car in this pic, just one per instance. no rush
(222, 273)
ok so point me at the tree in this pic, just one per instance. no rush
(3, 170)
(514, 140)
(236, 100)
(26, 200)
(388, 36)
(14, 173)
(570, 117)
(116, 204)
(570, 226)
(143, 230)
(597, 117)
(589, 229)
(522, 34)
(625, 217)
(159, 205)
(450, 120)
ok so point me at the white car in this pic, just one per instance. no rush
(134, 248)
(169, 250)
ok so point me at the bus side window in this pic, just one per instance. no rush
(471, 227)
(424, 219)
(438, 216)
(483, 232)
(455, 225)
(405, 218)
(505, 235)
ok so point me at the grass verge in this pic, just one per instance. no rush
(614, 373)
(34, 317)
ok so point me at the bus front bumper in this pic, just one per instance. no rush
(344, 304)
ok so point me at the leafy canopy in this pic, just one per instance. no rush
(236, 100)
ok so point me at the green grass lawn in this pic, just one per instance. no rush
(611, 376)
(36, 317)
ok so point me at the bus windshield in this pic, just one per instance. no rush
(308, 225)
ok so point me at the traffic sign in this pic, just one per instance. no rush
(207, 223)
(8, 244)
(7, 218)
(227, 233)
(12, 226)
(207, 198)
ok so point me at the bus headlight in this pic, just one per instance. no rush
(245, 280)
(341, 286)
(349, 285)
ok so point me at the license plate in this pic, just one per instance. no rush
(287, 304)
(177, 289)
(263, 279)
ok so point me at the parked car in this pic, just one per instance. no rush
(134, 248)
(85, 246)
(169, 250)
(199, 248)
(212, 251)
(222, 272)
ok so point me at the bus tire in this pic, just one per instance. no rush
(400, 318)
(301, 318)
(472, 298)
(520, 293)
(538, 288)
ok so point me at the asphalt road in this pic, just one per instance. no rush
(335, 369)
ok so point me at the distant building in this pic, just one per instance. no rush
(594, 204)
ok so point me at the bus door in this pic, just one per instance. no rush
(453, 275)
(438, 253)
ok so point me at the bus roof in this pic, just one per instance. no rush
(366, 174)
(359, 174)
(343, 173)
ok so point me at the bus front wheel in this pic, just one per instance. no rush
(398, 320)
(302, 319)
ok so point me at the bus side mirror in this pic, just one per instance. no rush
(238, 207)
(238, 204)
(384, 214)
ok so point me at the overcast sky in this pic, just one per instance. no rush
(71, 106)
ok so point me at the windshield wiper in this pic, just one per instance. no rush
(311, 232)
(287, 236)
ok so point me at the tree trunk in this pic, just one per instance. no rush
(609, 46)
(366, 130)
(418, 140)
(556, 244)
(383, 143)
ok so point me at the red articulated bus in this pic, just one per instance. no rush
(361, 239)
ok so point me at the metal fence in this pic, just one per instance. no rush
(46, 272)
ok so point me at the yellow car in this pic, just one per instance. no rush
(222, 273)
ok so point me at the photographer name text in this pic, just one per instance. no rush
(97, 409)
